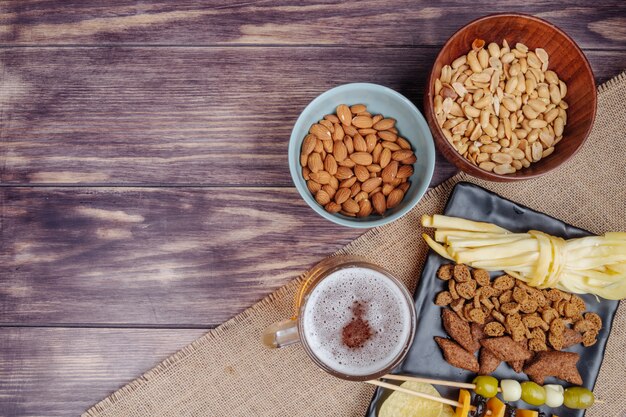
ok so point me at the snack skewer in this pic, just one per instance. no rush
(432, 381)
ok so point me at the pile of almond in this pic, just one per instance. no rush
(500, 106)
(355, 163)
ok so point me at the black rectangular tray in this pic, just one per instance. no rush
(425, 358)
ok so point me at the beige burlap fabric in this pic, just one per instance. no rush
(228, 372)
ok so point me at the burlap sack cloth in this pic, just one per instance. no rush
(228, 372)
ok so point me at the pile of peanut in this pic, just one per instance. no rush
(355, 163)
(500, 107)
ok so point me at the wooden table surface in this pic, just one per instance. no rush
(145, 195)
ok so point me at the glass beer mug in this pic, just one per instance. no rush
(354, 319)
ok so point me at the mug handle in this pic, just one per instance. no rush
(280, 334)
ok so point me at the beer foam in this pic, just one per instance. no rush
(328, 310)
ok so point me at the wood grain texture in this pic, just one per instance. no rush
(203, 116)
(593, 25)
(62, 372)
(155, 256)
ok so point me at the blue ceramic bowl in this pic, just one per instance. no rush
(379, 100)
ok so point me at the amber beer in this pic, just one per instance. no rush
(355, 320)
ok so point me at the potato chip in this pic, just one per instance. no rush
(400, 404)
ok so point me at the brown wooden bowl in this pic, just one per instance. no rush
(566, 59)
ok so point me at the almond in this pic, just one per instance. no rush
(379, 204)
(344, 173)
(362, 173)
(359, 143)
(339, 151)
(371, 184)
(349, 144)
(385, 158)
(347, 183)
(330, 165)
(366, 132)
(358, 108)
(349, 129)
(404, 171)
(342, 195)
(338, 134)
(389, 173)
(404, 144)
(332, 118)
(328, 145)
(332, 207)
(365, 208)
(387, 135)
(410, 160)
(387, 188)
(313, 186)
(322, 197)
(361, 122)
(346, 163)
(385, 124)
(322, 177)
(329, 190)
(401, 155)
(320, 131)
(344, 114)
(308, 144)
(361, 195)
(404, 186)
(351, 206)
(315, 162)
(391, 146)
(371, 140)
(355, 189)
(360, 158)
(394, 198)
(378, 149)
(374, 168)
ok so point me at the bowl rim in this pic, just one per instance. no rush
(294, 164)
(460, 162)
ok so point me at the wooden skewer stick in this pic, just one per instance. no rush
(429, 381)
(432, 381)
(417, 394)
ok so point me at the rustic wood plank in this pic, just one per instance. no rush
(593, 25)
(62, 372)
(203, 116)
(160, 256)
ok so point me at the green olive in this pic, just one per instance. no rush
(533, 393)
(486, 386)
(578, 398)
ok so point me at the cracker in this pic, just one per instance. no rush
(509, 308)
(571, 337)
(452, 289)
(528, 306)
(595, 319)
(556, 340)
(458, 330)
(443, 298)
(561, 365)
(456, 356)
(506, 297)
(445, 272)
(504, 282)
(466, 289)
(584, 325)
(537, 333)
(494, 329)
(590, 338)
(549, 314)
(457, 305)
(520, 295)
(506, 349)
(532, 321)
(461, 273)
(477, 315)
(482, 277)
(488, 362)
(516, 327)
(553, 294)
(537, 345)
